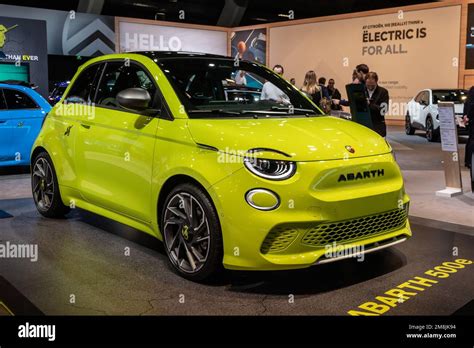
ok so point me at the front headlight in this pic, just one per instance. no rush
(270, 169)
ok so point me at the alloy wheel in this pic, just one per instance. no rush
(429, 129)
(43, 184)
(186, 232)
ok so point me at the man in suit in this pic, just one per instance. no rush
(378, 100)
(469, 121)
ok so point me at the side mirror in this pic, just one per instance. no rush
(135, 99)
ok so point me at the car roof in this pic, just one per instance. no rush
(448, 89)
(14, 86)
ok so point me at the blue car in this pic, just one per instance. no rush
(22, 112)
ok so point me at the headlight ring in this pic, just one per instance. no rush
(270, 169)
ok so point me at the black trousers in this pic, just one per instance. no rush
(469, 151)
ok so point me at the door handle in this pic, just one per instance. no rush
(86, 126)
(20, 124)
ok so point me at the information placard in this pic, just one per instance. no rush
(449, 145)
(447, 124)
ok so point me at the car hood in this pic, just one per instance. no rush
(298, 139)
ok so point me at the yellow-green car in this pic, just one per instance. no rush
(225, 161)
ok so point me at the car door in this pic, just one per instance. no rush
(414, 109)
(115, 147)
(64, 121)
(6, 131)
(425, 107)
(27, 118)
(420, 107)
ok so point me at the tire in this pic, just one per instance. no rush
(192, 233)
(45, 188)
(409, 130)
(432, 135)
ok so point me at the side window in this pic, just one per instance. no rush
(3, 105)
(83, 88)
(18, 100)
(418, 97)
(119, 76)
(426, 98)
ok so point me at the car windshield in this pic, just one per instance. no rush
(219, 87)
(457, 96)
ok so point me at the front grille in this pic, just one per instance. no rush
(278, 239)
(354, 229)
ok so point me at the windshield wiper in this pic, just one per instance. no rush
(280, 111)
(215, 112)
(307, 112)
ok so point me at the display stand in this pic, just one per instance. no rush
(358, 103)
(449, 146)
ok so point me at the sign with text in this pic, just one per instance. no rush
(23, 54)
(447, 126)
(449, 145)
(403, 47)
(151, 37)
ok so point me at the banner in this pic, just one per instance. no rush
(71, 33)
(250, 45)
(150, 37)
(23, 53)
(410, 51)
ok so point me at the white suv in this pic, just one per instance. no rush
(423, 111)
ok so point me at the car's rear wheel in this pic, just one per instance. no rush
(45, 188)
(409, 130)
(192, 233)
(432, 135)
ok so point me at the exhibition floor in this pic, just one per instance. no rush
(83, 256)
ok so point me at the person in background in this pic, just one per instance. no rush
(272, 92)
(469, 121)
(378, 99)
(311, 87)
(361, 71)
(358, 76)
(332, 90)
(334, 95)
(324, 90)
(354, 76)
(293, 81)
(240, 78)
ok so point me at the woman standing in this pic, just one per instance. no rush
(314, 90)
(311, 87)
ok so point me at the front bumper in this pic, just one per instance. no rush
(317, 215)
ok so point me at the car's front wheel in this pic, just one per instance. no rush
(45, 188)
(432, 134)
(192, 233)
(409, 130)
